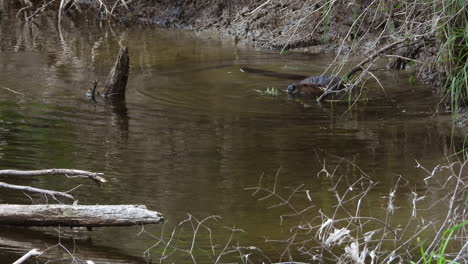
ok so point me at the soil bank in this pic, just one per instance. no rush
(357, 27)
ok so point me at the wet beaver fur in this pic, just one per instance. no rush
(315, 85)
(305, 89)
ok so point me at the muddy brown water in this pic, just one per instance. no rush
(194, 133)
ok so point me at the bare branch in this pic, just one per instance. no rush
(33, 252)
(35, 190)
(67, 172)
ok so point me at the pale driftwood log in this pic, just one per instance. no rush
(33, 252)
(116, 83)
(35, 190)
(67, 172)
(77, 215)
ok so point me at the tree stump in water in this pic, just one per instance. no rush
(117, 80)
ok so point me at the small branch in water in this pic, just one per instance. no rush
(97, 177)
(376, 54)
(27, 5)
(403, 57)
(35, 190)
(33, 252)
(360, 66)
(39, 10)
(11, 90)
(92, 90)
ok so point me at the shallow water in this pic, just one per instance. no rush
(194, 133)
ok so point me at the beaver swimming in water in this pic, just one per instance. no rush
(315, 85)
(305, 89)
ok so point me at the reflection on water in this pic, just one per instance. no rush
(193, 133)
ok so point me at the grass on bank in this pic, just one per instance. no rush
(454, 55)
(440, 257)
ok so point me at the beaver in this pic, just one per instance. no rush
(304, 89)
(315, 85)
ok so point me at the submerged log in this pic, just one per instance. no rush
(116, 83)
(77, 215)
(18, 242)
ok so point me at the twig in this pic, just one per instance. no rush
(11, 90)
(67, 172)
(92, 90)
(35, 190)
(40, 9)
(27, 4)
(260, 6)
(403, 57)
(359, 67)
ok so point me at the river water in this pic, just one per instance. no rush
(194, 134)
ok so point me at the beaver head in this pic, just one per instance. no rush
(304, 89)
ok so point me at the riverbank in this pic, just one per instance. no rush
(432, 44)
(423, 37)
(195, 134)
(340, 27)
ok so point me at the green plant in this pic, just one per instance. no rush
(269, 91)
(441, 257)
(326, 15)
(455, 51)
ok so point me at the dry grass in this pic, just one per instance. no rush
(355, 229)
(349, 234)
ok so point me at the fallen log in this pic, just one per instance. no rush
(77, 215)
